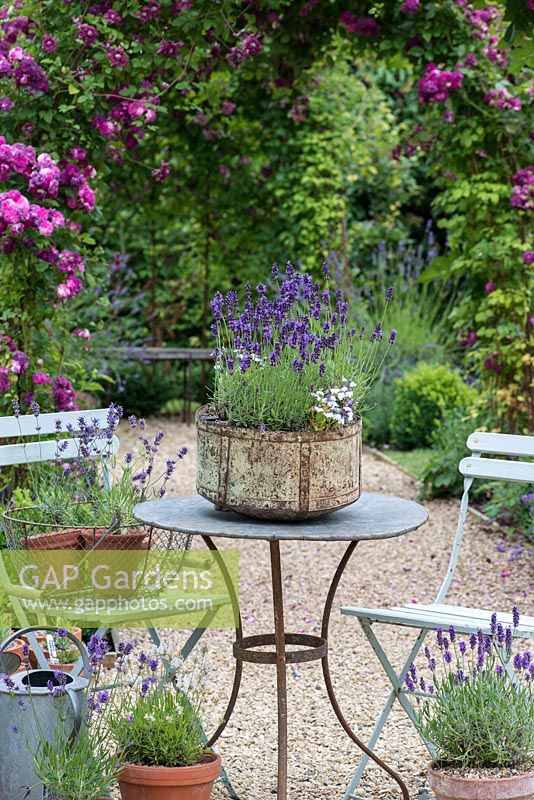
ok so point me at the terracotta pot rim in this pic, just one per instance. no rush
(477, 781)
(204, 772)
(228, 429)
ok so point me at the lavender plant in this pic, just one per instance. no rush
(155, 722)
(77, 493)
(293, 361)
(478, 706)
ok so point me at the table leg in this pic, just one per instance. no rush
(328, 680)
(238, 635)
(280, 645)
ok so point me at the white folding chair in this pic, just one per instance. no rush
(41, 450)
(439, 614)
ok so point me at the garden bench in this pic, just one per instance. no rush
(430, 617)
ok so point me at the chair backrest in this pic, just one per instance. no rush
(476, 466)
(30, 426)
(499, 444)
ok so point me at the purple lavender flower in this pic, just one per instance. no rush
(500, 634)
(508, 641)
(389, 294)
(462, 647)
(493, 623)
(515, 616)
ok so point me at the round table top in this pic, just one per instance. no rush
(373, 516)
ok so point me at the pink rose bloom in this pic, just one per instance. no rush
(49, 43)
(64, 394)
(361, 26)
(40, 377)
(4, 379)
(136, 108)
(227, 108)
(17, 54)
(489, 287)
(78, 154)
(70, 288)
(86, 198)
(528, 257)
(118, 57)
(410, 7)
(19, 362)
(82, 333)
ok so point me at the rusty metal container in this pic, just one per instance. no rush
(277, 476)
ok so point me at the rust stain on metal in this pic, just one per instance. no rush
(282, 475)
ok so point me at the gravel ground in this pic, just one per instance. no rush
(492, 573)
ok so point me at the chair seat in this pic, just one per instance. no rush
(439, 615)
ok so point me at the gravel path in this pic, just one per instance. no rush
(491, 574)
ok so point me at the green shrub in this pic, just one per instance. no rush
(422, 398)
(448, 447)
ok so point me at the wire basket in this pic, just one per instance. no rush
(23, 533)
(153, 547)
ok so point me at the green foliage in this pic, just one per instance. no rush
(143, 389)
(512, 505)
(448, 447)
(485, 722)
(76, 769)
(482, 719)
(422, 398)
(159, 730)
(419, 313)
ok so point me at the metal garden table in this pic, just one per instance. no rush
(373, 517)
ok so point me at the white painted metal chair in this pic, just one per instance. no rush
(30, 426)
(39, 449)
(439, 614)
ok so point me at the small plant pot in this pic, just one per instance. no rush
(447, 786)
(56, 665)
(170, 783)
(277, 475)
(136, 539)
(67, 539)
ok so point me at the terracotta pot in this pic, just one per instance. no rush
(170, 783)
(66, 539)
(279, 476)
(16, 648)
(136, 539)
(452, 787)
(41, 639)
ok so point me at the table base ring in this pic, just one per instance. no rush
(317, 648)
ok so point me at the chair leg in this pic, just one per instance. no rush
(396, 682)
(364, 760)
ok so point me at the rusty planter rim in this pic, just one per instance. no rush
(205, 422)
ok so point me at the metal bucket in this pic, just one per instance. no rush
(278, 476)
(27, 715)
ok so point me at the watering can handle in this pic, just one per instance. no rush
(77, 709)
(33, 628)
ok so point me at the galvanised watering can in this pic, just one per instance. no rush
(28, 714)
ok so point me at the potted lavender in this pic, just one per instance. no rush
(478, 712)
(154, 727)
(282, 439)
(87, 503)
